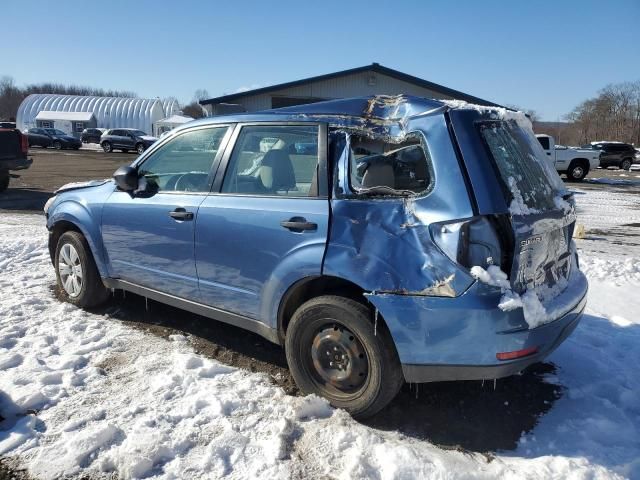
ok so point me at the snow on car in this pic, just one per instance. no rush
(83, 395)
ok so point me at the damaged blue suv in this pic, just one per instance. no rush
(381, 240)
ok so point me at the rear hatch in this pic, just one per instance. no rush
(513, 183)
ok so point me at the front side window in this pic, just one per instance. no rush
(377, 167)
(184, 163)
(274, 160)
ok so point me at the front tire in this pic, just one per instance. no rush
(577, 172)
(57, 145)
(626, 164)
(140, 148)
(334, 351)
(107, 147)
(76, 272)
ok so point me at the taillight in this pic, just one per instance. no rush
(525, 352)
(24, 144)
(469, 243)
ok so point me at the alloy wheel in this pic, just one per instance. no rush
(577, 172)
(70, 270)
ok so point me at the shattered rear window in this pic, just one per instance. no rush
(529, 180)
(377, 167)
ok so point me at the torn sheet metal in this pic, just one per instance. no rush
(383, 243)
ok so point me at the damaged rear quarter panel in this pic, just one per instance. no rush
(383, 244)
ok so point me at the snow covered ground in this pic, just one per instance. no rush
(84, 395)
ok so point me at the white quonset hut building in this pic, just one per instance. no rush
(73, 113)
(373, 79)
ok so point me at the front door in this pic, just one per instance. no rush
(148, 237)
(267, 221)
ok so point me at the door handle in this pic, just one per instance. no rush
(181, 214)
(298, 224)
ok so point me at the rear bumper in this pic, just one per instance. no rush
(16, 164)
(440, 339)
(436, 373)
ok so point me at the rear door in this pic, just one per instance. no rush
(266, 224)
(534, 198)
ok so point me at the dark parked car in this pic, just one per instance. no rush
(417, 241)
(7, 124)
(126, 139)
(52, 137)
(13, 154)
(92, 135)
(615, 154)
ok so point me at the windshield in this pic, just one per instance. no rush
(54, 131)
(530, 180)
(383, 168)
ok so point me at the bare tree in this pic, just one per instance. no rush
(194, 110)
(201, 94)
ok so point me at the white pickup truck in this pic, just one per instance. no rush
(574, 162)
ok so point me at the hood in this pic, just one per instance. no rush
(80, 185)
(148, 138)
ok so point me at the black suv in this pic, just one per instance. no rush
(615, 154)
(91, 135)
(126, 139)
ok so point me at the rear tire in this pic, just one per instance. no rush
(332, 351)
(107, 147)
(4, 180)
(76, 272)
(626, 164)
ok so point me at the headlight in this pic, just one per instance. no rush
(48, 204)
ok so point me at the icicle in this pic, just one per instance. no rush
(124, 294)
(417, 387)
(375, 324)
(146, 303)
(483, 383)
(494, 384)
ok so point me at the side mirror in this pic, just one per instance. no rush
(126, 178)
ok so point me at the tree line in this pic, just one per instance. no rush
(11, 96)
(613, 114)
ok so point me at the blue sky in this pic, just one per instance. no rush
(543, 55)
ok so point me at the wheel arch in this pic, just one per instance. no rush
(76, 218)
(314, 286)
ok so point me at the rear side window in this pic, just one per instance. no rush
(544, 141)
(530, 182)
(382, 168)
(274, 160)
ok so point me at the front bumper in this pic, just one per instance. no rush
(441, 339)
